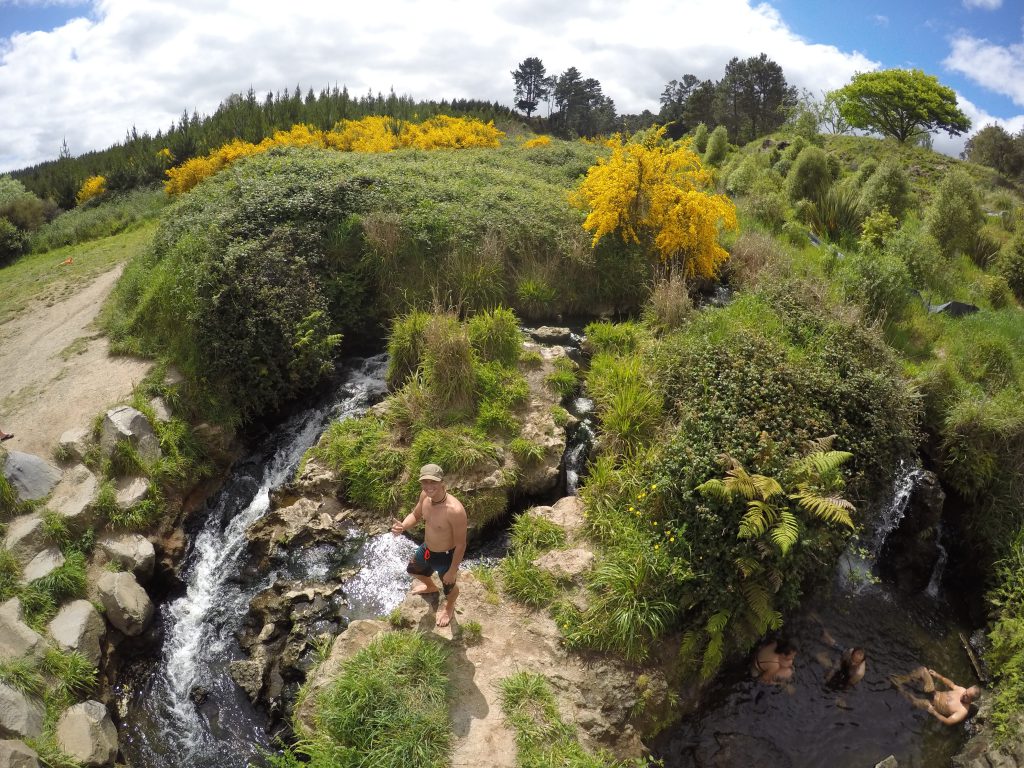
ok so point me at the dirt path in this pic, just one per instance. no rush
(55, 370)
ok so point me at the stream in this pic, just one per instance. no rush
(807, 725)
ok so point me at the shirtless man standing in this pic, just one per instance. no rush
(949, 707)
(444, 539)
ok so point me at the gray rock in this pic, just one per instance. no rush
(131, 490)
(79, 627)
(25, 536)
(127, 605)
(43, 564)
(17, 639)
(20, 716)
(551, 335)
(1001, 760)
(73, 498)
(127, 423)
(132, 551)
(566, 564)
(17, 754)
(249, 676)
(161, 409)
(75, 443)
(889, 762)
(86, 733)
(32, 477)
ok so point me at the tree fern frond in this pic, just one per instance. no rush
(714, 489)
(713, 655)
(831, 509)
(739, 483)
(747, 566)
(767, 487)
(786, 531)
(717, 623)
(690, 644)
(755, 522)
(773, 577)
(821, 464)
(820, 445)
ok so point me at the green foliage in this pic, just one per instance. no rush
(620, 338)
(448, 370)
(767, 202)
(563, 379)
(669, 305)
(809, 177)
(10, 574)
(1006, 652)
(900, 103)
(526, 452)
(360, 452)
(65, 582)
(495, 336)
(118, 213)
(785, 163)
(741, 179)
(1010, 265)
(837, 214)
(472, 632)
(524, 581)
(405, 347)
(886, 188)
(13, 242)
(878, 227)
(627, 404)
(23, 675)
(536, 533)
(879, 282)
(954, 216)
(387, 709)
(717, 147)
(543, 739)
(74, 674)
(921, 253)
(700, 138)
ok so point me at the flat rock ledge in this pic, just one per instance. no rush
(86, 733)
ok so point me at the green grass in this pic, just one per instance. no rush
(543, 739)
(524, 581)
(361, 452)
(73, 674)
(41, 276)
(388, 708)
(22, 675)
(536, 533)
(563, 379)
(116, 214)
(472, 632)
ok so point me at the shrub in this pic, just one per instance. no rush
(91, 188)
(836, 214)
(1010, 265)
(996, 291)
(751, 254)
(742, 178)
(880, 283)
(700, 138)
(668, 305)
(954, 216)
(864, 171)
(886, 188)
(448, 371)
(387, 708)
(767, 202)
(717, 146)
(118, 213)
(988, 241)
(13, 242)
(789, 155)
(877, 228)
(809, 178)
(495, 335)
(922, 255)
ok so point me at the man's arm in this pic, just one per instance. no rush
(944, 680)
(459, 524)
(956, 717)
(412, 519)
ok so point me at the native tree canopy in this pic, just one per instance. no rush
(995, 147)
(901, 103)
(532, 84)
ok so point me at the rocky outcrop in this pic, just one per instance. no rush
(301, 523)
(25, 536)
(127, 605)
(279, 634)
(566, 564)
(43, 564)
(20, 717)
(32, 477)
(131, 551)
(78, 627)
(909, 553)
(982, 752)
(541, 476)
(131, 491)
(128, 424)
(17, 754)
(86, 733)
(74, 443)
(550, 335)
(73, 498)
(17, 639)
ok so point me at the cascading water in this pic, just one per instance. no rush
(935, 582)
(579, 445)
(163, 724)
(907, 477)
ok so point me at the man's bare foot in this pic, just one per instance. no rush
(423, 589)
(444, 616)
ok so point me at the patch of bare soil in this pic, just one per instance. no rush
(56, 372)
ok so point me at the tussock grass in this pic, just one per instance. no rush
(361, 452)
(22, 675)
(495, 336)
(387, 709)
(536, 533)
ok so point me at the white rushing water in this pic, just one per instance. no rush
(200, 626)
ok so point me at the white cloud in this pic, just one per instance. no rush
(995, 67)
(41, 3)
(141, 62)
(880, 20)
(988, 5)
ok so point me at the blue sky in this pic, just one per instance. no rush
(87, 71)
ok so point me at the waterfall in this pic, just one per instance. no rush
(932, 590)
(167, 728)
(577, 448)
(907, 477)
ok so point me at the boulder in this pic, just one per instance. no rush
(79, 627)
(132, 551)
(31, 477)
(43, 564)
(249, 676)
(889, 762)
(86, 733)
(131, 490)
(17, 754)
(566, 565)
(20, 716)
(909, 553)
(547, 334)
(127, 605)
(25, 536)
(75, 443)
(161, 410)
(127, 423)
(566, 512)
(73, 498)
(17, 639)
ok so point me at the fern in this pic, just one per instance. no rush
(786, 532)
(831, 509)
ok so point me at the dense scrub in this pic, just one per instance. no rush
(325, 244)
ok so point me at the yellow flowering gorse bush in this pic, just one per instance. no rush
(92, 187)
(657, 194)
(540, 141)
(370, 134)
